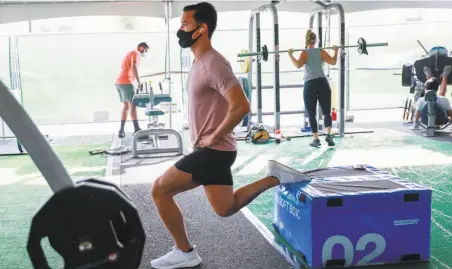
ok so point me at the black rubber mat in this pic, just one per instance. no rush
(223, 243)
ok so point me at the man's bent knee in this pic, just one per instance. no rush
(159, 189)
(126, 105)
(225, 211)
(171, 183)
(156, 190)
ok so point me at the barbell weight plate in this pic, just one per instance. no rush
(407, 75)
(362, 46)
(92, 225)
(265, 53)
(103, 182)
(245, 64)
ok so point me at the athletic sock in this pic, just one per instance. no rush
(123, 122)
(190, 250)
(135, 125)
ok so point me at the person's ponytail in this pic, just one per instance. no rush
(308, 38)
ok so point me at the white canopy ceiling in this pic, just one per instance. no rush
(20, 10)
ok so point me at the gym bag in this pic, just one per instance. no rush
(258, 135)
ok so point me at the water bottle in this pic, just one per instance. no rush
(334, 115)
(278, 136)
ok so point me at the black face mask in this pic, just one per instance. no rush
(185, 40)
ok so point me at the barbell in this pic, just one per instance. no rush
(361, 45)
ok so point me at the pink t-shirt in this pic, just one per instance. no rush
(210, 78)
(126, 75)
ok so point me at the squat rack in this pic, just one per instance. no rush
(16, 89)
(255, 13)
(330, 7)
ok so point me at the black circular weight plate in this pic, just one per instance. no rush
(106, 183)
(93, 225)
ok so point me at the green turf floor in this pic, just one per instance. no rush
(23, 192)
(410, 157)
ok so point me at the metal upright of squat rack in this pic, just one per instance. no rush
(256, 14)
(335, 7)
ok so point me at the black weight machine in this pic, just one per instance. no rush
(433, 117)
(90, 223)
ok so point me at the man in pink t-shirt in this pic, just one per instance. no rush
(216, 104)
(126, 84)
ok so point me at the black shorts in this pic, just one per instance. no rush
(208, 166)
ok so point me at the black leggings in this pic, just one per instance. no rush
(317, 89)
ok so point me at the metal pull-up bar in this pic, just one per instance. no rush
(256, 14)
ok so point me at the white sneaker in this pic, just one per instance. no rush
(176, 258)
(284, 173)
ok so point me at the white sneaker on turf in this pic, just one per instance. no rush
(284, 173)
(176, 258)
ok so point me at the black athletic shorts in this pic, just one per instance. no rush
(208, 166)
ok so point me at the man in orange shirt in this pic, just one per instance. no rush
(126, 83)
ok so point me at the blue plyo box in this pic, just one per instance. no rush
(352, 217)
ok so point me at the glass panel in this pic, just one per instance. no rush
(70, 77)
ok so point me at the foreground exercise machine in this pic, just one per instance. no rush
(90, 223)
(156, 131)
(433, 117)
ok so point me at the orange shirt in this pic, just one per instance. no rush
(126, 75)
